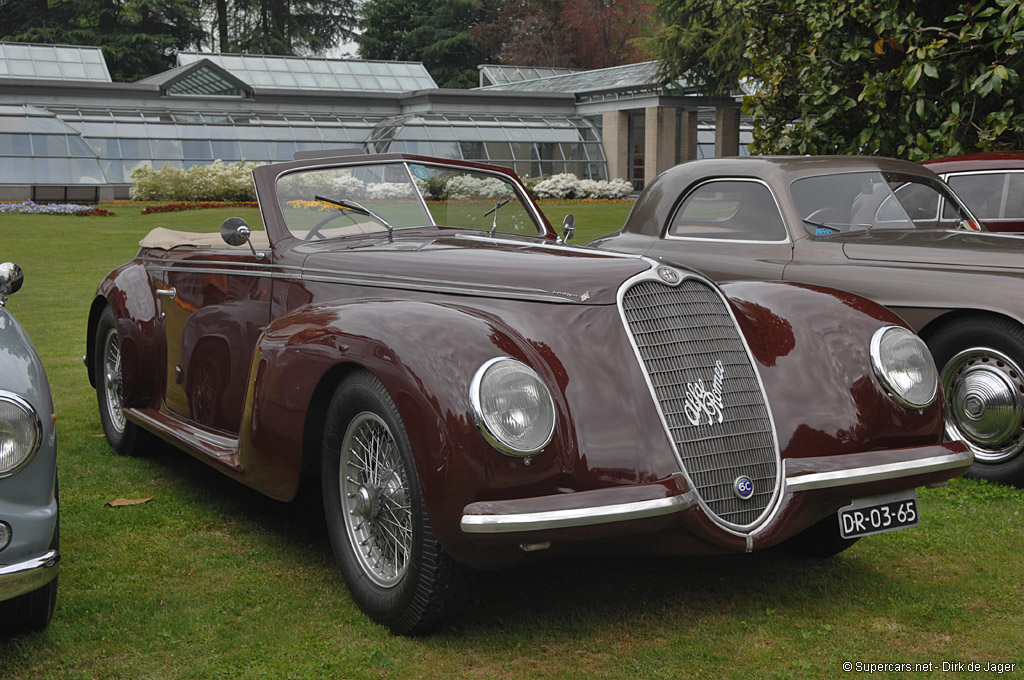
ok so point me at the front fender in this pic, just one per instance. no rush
(425, 354)
(129, 293)
(812, 347)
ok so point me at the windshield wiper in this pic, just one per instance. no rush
(494, 223)
(356, 208)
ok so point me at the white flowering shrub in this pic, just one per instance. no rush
(348, 186)
(465, 187)
(217, 181)
(390, 191)
(567, 185)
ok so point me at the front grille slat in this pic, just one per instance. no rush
(680, 333)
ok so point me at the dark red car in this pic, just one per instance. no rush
(471, 392)
(991, 184)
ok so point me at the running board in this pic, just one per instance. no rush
(195, 440)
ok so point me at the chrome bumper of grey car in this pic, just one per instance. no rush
(800, 477)
(24, 577)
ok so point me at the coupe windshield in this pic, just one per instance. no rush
(331, 202)
(859, 201)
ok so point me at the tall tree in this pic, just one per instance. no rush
(893, 77)
(701, 41)
(575, 33)
(435, 32)
(138, 37)
(286, 26)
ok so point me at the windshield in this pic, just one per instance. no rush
(861, 201)
(332, 202)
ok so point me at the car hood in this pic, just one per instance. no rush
(936, 246)
(471, 264)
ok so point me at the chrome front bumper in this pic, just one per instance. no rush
(24, 577)
(916, 466)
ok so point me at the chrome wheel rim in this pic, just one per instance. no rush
(375, 500)
(984, 393)
(112, 380)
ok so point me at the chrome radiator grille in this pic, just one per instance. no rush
(682, 333)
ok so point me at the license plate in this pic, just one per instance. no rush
(877, 514)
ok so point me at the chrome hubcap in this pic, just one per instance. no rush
(112, 380)
(984, 391)
(375, 500)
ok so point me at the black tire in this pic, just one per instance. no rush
(124, 437)
(981, 363)
(820, 541)
(401, 578)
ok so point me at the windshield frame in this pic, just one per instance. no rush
(269, 176)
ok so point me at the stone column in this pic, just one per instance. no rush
(615, 139)
(687, 136)
(727, 132)
(659, 141)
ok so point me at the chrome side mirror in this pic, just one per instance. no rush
(11, 278)
(235, 232)
(568, 228)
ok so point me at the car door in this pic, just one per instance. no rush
(215, 302)
(729, 229)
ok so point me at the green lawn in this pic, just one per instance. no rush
(210, 579)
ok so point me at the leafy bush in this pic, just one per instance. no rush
(217, 181)
(911, 80)
(464, 187)
(567, 185)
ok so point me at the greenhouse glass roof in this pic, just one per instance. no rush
(302, 73)
(631, 76)
(495, 74)
(53, 62)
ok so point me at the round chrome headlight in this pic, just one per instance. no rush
(904, 366)
(20, 432)
(512, 407)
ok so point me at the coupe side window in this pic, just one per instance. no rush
(983, 193)
(732, 210)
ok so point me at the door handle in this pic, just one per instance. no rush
(171, 293)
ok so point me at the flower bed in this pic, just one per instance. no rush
(195, 205)
(31, 208)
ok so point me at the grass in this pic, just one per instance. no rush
(212, 580)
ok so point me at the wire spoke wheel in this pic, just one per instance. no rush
(375, 497)
(396, 570)
(112, 379)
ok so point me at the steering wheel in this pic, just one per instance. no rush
(826, 216)
(315, 231)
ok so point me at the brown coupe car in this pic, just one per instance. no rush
(467, 391)
(886, 229)
(991, 184)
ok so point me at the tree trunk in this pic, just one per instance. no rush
(222, 26)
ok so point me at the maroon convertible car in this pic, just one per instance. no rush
(470, 392)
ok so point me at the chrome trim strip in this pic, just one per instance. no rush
(877, 473)
(549, 246)
(24, 577)
(774, 504)
(575, 517)
(379, 281)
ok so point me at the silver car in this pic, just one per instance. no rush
(29, 528)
